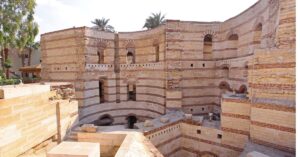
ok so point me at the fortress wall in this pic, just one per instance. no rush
(143, 44)
(235, 121)
(272, 92)
(27, 121)
(203, 140)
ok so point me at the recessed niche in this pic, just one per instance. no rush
(192, 65)
(203, 65)
(219, 136)
(198, 131)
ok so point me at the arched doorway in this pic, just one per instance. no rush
(131, 119)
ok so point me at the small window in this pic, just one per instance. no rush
(203, 64)
(202, 108)
(192, 65)
(198, 131)
(130, 58)
(219, 136)
(157, 53)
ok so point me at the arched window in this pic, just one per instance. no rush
(130, 58)
(224, 87)
(257, 35)
(207, 46)
(131, 90)
(233, 41)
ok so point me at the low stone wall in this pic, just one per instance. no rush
(33, 117)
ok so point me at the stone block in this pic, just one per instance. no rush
(89, 128)
(164, 120)
(75, 149)
(188, 116)
(13, 91)
(148, 123)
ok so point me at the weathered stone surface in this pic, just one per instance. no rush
(75, 149)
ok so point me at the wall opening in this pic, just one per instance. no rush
(101, 92)
(157, 53)
(207, 46)
(257, 35)
(100, 54)
(224, 87)
(104, 120)
(233, 41)
(225, 70)
(130, 58)
(131, 90)
(242, 89)
(131, 120)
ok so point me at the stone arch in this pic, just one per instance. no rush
(243, 89)
(224, 86)
(104, 120)
(233, 37)
(230, 33)
(212, 33)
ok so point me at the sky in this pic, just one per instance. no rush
(130, 15)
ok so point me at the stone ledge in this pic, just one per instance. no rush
(13, 91)
(75, 149)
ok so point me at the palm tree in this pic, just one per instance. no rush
(154, 20)
(102, 24)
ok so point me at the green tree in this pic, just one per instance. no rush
(25, 39)
(154, 20)
(13, 14)
(102, 24)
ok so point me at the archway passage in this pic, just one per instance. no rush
(104, 120)
(130, 121)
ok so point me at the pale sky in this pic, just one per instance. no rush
(130, 15)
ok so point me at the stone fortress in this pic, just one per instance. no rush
(184, 88)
